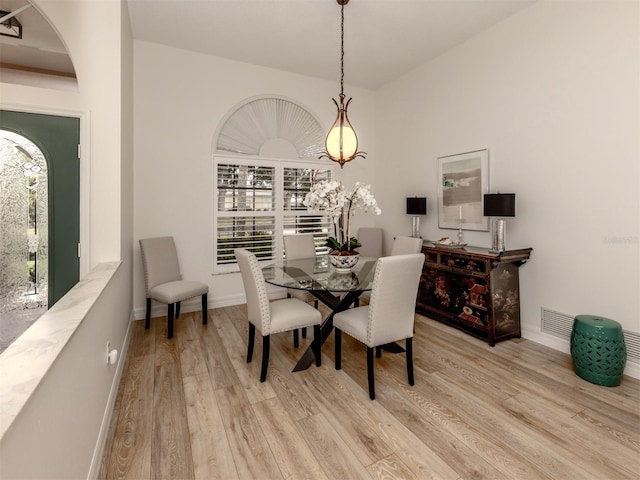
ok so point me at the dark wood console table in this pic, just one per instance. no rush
(473, 290)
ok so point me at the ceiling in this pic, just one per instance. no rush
(383, 38)
(40, 47)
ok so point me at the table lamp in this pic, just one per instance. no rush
(499, 205)
(416, 206)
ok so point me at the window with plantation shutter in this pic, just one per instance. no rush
(260, 200)
(296, 219)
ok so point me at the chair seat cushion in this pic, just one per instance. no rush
(354, 322)
(290, 313)
(177, 291)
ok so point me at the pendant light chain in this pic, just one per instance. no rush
(342, 51)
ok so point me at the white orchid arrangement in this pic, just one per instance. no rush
(340, 204)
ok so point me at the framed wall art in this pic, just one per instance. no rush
(463, 179)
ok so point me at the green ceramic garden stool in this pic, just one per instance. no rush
(598, 350)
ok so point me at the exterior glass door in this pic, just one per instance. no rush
(39, 216)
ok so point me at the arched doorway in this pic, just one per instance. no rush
(39, 215)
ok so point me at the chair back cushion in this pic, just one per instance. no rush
(258, 311)
(405, 245)
(372, 240)
(160, 261)
(393, 298)
(299, 246)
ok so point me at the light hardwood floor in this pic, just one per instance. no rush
(192, 407)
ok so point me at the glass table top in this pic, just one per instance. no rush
(317, 274)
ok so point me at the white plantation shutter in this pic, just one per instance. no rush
(257, 201)
(297, 183)
(245, 210)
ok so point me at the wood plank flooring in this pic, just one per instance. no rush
(192, 408)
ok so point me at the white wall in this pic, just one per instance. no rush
(56, 431)
(126, 153)
(553, 93)
(99, 96)
(79, 388)
(180, 99)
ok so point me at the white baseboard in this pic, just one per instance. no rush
(194, 304)
(96, 461)
(631, 369)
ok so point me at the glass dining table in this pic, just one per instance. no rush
(336, 290)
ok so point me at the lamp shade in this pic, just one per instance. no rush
(416, 205)
(500, 205)
(342, 142)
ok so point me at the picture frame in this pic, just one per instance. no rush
(463, 179)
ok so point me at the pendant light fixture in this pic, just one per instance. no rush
(341, 145)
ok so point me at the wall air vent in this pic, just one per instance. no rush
(560, 325)
(632, 342)
(556, 323)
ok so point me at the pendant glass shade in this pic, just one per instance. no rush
(342, 141)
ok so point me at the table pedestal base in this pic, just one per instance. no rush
(336, 304)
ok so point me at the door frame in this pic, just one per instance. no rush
(85, 171)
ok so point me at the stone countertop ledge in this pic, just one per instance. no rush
(25, 363)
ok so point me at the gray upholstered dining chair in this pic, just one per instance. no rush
(390, 315)
(372, 240)
(300, 246)
(401, 246)
(163, 281)
(272, 317)
(404, 245)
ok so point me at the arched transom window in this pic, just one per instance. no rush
(258, 123)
